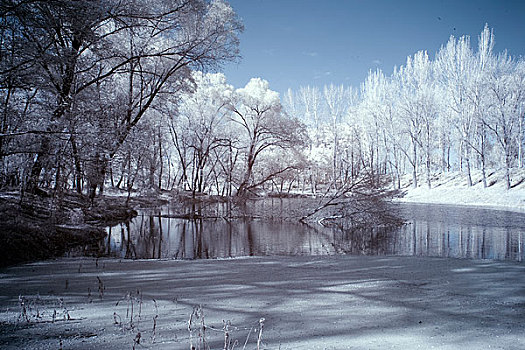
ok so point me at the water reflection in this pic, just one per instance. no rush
(153, 236)
(435, 231)
(458, 232)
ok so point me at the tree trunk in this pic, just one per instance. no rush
(64, 101)
(414, 163)
(428, 172)
(78, 165)
(443, 154)
(428, 157)
(483, 159)
(508, 161)
(161, 163)
(520, 140)
(243, 187)
(334, 165)
(467, 161)
(460, 152)
(42, 156)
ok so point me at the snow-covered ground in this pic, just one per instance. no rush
(336, 302)
(451, 188)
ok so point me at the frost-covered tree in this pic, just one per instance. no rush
(478, 93)
(463, 109)
(337, 102)
(123, 55)
(520, 139)
(418, 110)
(455, 64)
(507, 91)
(264, 127)
(200, 128)
(306, 104)
(373, 110)
(55, 35)
(311, 100)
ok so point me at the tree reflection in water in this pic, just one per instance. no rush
(450, 233)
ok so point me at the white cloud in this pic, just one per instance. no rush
(311, 54)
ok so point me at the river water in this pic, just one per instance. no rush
(430, 231)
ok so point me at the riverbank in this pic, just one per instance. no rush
(451, 188)
(40, 227)
(336, 302)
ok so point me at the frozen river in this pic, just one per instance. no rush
(430, 231)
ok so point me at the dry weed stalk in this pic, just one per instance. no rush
(197, 329)
(131, 312)
(227, 340)
(197, 318)
(259, 338)
(37, 310)
(136, 341)
(101, 288)
(154, 332)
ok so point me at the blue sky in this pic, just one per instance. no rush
(304, 42)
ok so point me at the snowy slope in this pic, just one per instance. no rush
(451, 188)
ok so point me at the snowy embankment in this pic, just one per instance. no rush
(451, 188)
